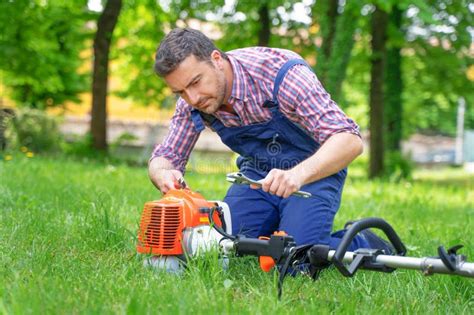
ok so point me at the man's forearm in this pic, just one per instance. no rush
(163, 174)
(335, 154)
(160, 163)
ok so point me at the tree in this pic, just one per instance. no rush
(264, 32)
(394, 83)
(134, 52)
(433, 61)
(103, 37)
(338, 24)
(40, 47)
(437, 59)
(376, 96)
(247, 24)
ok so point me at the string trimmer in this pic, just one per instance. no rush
(183, 224)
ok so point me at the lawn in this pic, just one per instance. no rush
(68, 234)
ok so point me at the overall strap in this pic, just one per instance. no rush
(281, 75)
(198, 119)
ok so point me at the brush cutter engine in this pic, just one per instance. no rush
(177, 227)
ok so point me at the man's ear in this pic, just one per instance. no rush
(217, 59)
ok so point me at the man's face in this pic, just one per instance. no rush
(201, 84)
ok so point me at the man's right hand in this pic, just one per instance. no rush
(163, 175)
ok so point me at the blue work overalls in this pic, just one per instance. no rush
(278, 143)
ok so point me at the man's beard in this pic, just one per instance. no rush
(219, 99)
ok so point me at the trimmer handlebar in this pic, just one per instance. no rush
(353, 230)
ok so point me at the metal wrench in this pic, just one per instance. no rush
(182, 183)
(241, 179)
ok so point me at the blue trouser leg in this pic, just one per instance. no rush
(310, 220)
(254, 212)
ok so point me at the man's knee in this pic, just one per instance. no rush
(253, 213)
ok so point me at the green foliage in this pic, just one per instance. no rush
(6, 114)
(335, 51)
(137, 40)
(434, 63)
(436, 59)
(81, 146)
(433, 91)
(397, 166)
(35, 130)
(124, 139)
(242, 23)
(40, 51)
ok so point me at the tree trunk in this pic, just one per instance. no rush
(394, 88)
(264, 31)
(327, 22)
(331, 15)
(102, 40)
(338, 39)
(341, 52)
(378, 30)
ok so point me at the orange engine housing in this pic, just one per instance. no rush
(163, 221)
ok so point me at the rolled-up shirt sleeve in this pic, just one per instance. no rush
(181, 138)
(307, 103)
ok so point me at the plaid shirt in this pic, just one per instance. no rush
(301, 98)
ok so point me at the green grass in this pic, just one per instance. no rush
(68, 235)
